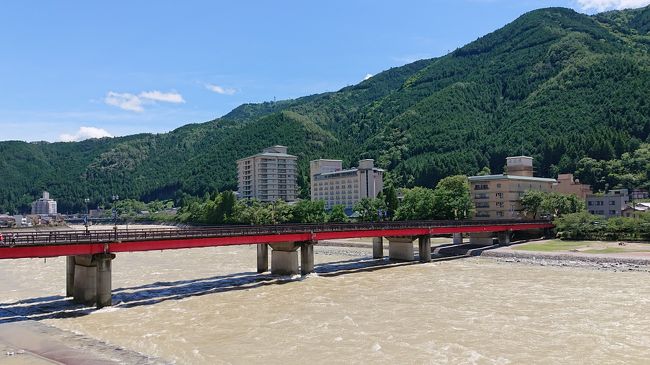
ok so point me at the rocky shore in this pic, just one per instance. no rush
(599, 262)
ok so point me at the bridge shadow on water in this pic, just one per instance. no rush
(58, 306)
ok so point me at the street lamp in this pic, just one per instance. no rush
(115, 198)
(86, 217)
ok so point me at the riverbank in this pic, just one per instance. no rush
(632, 256)
(635, 256)
(31, 342)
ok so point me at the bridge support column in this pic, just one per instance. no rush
(377, 247)
(401, 248)
(306, 258)
(548, 233)
(69, 276)
(104, 283)
(92, 279)
(424, 245)
(457, 238)
(85, 280)
(481, 238)
(262, 258)
(504, 238)
(284, 258)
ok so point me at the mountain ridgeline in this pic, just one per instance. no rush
(554, 84)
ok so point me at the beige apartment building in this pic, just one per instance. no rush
(268, 176)
(498, 196)
(335, 186)
(567, 185)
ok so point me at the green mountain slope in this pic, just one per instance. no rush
(554, 84)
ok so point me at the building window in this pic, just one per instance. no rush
(499, 214)
(481, 187)
(590, 203)
(611, 202)
(498, 185)
(612, 212)
(499, 195)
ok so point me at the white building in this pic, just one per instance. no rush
(335, 186)
(44, 205)
(268, 176)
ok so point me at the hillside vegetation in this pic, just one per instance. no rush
(555, 84)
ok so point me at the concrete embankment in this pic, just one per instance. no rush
(32, 342)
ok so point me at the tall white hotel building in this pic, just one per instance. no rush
(335, 186)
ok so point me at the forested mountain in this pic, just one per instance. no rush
(554, 84)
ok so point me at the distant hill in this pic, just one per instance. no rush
(554, 84)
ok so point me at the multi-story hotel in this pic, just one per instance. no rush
(44, 205)
(335, 186)
(498, 196)
(268, 176)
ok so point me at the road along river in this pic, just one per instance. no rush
(207, 306)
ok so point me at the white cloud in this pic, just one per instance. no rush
(134, 103)
(84, 133)
(156, 95)
(124, 101)
(602, 5)
(367, 77)
(220, 90)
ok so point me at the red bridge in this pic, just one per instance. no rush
(89, 253)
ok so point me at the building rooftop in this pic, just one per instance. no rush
(354, 169)
(510, 177)
(269, 154)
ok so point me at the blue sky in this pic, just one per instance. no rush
(77, 69)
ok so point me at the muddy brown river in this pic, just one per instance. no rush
(207, 306)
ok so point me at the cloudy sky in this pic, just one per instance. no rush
(79, 69)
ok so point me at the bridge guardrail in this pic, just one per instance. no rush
(112, 235)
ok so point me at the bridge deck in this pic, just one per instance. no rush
(66, 243)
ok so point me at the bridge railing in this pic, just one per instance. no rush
(123, 235)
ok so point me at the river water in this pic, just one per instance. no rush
(207, 306)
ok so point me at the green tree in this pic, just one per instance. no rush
(579, 226)
(391, 201)
(452, 199)
(484, 171)
(418, 204)
(307, 211)
(370, 209)
(559, 204)
(337, 215)
(532, 201)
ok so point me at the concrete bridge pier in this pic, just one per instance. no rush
(306, 258)
(424, 245)
(481, 238)
(504, 238)
(284, 258)
(104, 279)
(401, 248)
(92, 280)
(69, 276)
(262, 258)
(377, 247)
(85, 280)
(457, 239)
(548, 233)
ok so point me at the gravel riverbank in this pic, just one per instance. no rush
(600, 262)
